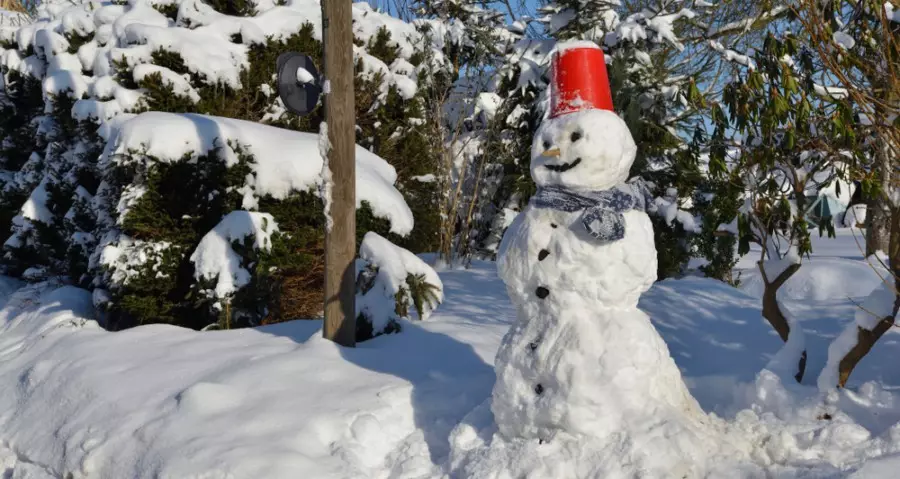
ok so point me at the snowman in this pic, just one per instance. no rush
(582, 371)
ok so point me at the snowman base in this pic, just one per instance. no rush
(665, 450)
(590, 372)
(609, 409)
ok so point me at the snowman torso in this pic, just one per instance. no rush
(546, 248)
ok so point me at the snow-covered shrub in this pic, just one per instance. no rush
(53, 230)
(391, 282)
(720, 205)
(157, 212)
(389, 104)
(129, 222)
(169, 182)
(51, 155)
(16, 141)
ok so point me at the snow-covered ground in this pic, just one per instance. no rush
(280, 402)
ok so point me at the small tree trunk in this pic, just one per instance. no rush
(878, 216)
(866, 339)
(772, 310)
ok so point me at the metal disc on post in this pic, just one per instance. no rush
(298, 83)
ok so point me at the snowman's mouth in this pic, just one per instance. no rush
(563, 167)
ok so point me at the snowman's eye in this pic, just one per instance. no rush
(576, 135)
(546, 145)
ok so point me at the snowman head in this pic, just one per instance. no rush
(585, 150)
(583, 144)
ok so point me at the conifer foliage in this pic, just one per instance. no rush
(81, 202)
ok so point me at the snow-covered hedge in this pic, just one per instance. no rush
(169, 181)
(120, 202)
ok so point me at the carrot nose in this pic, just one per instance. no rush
(551, 153)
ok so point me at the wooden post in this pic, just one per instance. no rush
(340, 115)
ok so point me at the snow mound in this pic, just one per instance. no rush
(878, 305)
(276, 402)
(822, 279)
(575, 457)
(699, 317)
(284, 161)
(855, 216)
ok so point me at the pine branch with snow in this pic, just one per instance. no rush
(390, 281)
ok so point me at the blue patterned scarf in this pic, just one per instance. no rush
(603, 216)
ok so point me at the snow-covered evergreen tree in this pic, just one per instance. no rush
(589, 20)
(471, 37)
(51, 228)
(21, 106)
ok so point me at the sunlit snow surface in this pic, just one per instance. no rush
(280, 402)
